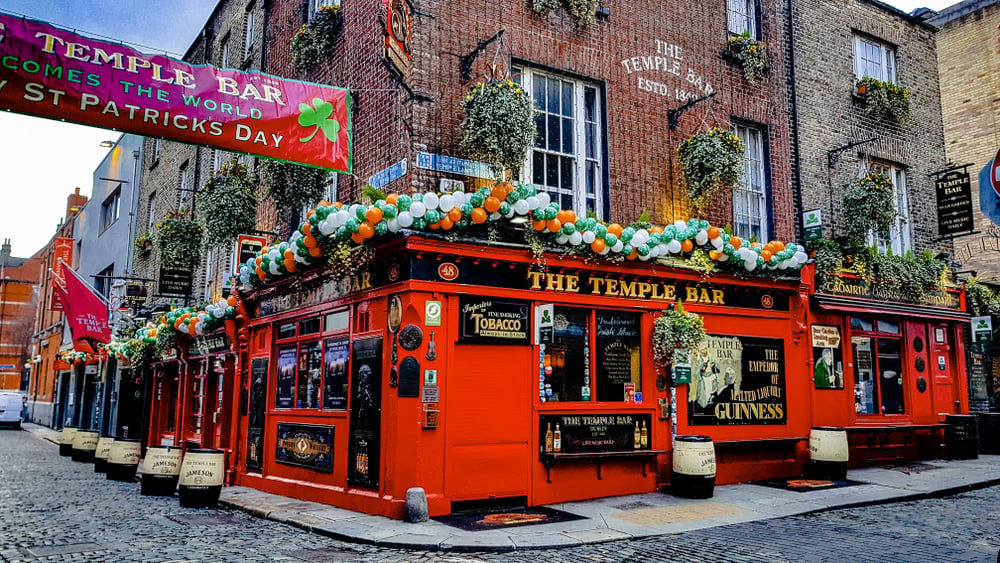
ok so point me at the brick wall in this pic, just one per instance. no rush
(830, 117)
(968, 51)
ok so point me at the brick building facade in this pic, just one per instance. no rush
(835, 45)
(18, 299)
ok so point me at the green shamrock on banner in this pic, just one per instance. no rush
(318, 115)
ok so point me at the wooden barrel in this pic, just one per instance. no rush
(84, 445)
(961, 436)
(989, 433)
(693, 471)
(202, 475)
(160, 470)
(123, 459)
(66, 440)
(828, 453)
(101, 453)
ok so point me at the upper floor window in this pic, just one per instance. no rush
(157, 149)
(248, 31)
(182, 184)
(741, 17)
(875, 59)
(216, 160)
(224, 61)
(109, 209)
(899, 234)
(316, 5)
(568, 158)
(104, 280)
(751, 199)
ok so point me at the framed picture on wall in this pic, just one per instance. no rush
(939, 335)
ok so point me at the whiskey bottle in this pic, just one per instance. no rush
(557, 439)
(548, 437)
(644, 436)
(637, 436)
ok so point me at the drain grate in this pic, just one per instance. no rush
(66, 549)
(632, 505)
(326, 554)
(913, 468)
(204, 519)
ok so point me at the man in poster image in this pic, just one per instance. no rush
(823, 372)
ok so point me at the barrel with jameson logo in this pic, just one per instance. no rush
(66, 440)
(160, 470)
(123, 459)
(84, 445)
(101, 454)
(202, 474)
(828, 453)
(693, 472)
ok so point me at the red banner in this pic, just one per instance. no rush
(63, 250)
(86, 313)
(58, 74)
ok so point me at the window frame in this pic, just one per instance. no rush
(249, 38)
(103, 281)
(750, 20)
(887, 58)
(151, 208)
(899, 240)
(226, 52)
(182, 185)
(526, 75)
(766, 201)
(110, 210)
(299, 341)
(875, 334)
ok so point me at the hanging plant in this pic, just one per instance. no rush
(869, 206)
(143, 243)
(885, 99)
(544, 6)
(179, 240)
(292, 187)
(751, 55)
(827, 254)
(676, 328)
(711, 163)
(227, 204)
(499, 125)
(585, 11)
(314, 41)
(981, 300)
(909, 276)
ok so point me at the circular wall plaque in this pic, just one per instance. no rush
(921, 384)
(411, 337)
(920, 364)
(395, 313)
(918, 344)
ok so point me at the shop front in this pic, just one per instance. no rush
(488, 376)
(887, 370)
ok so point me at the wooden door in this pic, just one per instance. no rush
(942, 360)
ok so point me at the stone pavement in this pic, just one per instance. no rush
(624, 518)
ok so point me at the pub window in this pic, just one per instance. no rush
(338, 320)
(750, 201)
(335, 364)
(309, 326)
(874, 59)
(286, 331)
(310, 368)
(878, 367)
(603, 343)
(741, 17)
(198, 391)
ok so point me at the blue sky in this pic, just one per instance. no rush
(47, 159)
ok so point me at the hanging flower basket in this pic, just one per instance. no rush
(314, 41)
(144, 243)
(677, 328)
(292, 187)
(227, 204)
(584, 11)
(884, 99)
(869, 207)
(711, 163)
(179, 240)
(499, 125)
(751, 54)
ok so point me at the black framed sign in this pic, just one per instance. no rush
(305, 445)
(255, 414)
(487, 320)
(737, 380)
(335, 363)
(595, 432)
(285, 378)
(366, 413)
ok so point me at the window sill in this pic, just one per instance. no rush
(591, 406)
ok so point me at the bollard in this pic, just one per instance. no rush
(66, 440)
(201, 478)
(415, 509)
(101, 454)
(123, 459)
(160, 470)
(85, 445)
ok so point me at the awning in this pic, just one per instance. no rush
(872, 307)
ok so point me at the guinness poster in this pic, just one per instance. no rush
(255, 414)
(366, 413)
(493, 321)
(305, 445)
(737, 380)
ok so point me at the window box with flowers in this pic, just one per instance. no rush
(144, 243)
(884, 99)
(750, 54)
(314, 41)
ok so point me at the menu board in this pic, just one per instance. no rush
(492, 321)
(595, 432)
(285, 393)
(617, 364)
(828, 357)
(737, 380)
(977, 373)
(335, 361)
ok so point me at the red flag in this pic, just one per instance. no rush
(86, 312)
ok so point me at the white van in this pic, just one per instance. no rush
(10, 408)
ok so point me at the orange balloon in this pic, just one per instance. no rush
(261, 274)
(737, 242)
(779, 245)
(570, 216)
(598, 245)
(259, 260)
(538, 225)
(455, 214)
(310, 241)
(392, 199)
(553, 225)
(714, 254)
(192, 328)
(615, 229)
(289, 255)
(231, 300)
(374, 214)
(366, 230)
(656, 230)
(323, 202)
(687, 245)
(434, 226)
(498, 193)
(315, 252)
(446, 223)
(310, 213)
(290, 265)
(765, 254)
(714, 232)
(635, 253)
(356, 237)
(562, 215)
(479, 215)
(307, 228)
(338, 205)
(492, 204)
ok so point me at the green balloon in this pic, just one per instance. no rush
(390, 211)
(432, 216)
(351, 225)
(403, 202)
(467, 209)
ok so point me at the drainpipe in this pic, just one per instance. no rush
(796, 158)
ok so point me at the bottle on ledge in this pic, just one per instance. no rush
(557, 439)
(548, 437)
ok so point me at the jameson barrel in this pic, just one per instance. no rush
(85, 445)
(101, 454)
(961, 436)
(693, 472)
(828, 453)
(161, 469)
(123, 459)
(66, 440)
(989, 433)
(202, 473)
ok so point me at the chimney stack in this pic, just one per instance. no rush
(5, 251)
(74, 203)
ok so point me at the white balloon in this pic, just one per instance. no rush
(783, 265)
(353, 209)
(460, 198)
(417, 209)
(589, 237)
(533, 203)
(274, 253)
(341, 218)
(510, 212)
(801, 257)
(701, 238)
(724, 257)
(750, 265)
(674, 247)
(562, 239)
(495, 216)
(619, 245)
(606, 250)
(393, 225)
(680, 225)
(273, 268)
(647, 257)
(431, 200)
(522, 207)
(405, 219)
(717, 243)
(543, 199)
(326, 227)
(446, 203)
(575, 238)
(218, 313)
(654, 251)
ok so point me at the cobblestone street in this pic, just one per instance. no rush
(52, 509)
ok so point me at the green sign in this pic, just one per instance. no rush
(812, 221)
(982, 328)
(682, 366)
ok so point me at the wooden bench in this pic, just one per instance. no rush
(879, 448)
(549, 459)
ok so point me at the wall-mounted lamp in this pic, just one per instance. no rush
(107, 144)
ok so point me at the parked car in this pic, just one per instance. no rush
(11, 408)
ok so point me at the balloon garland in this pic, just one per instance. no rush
(75, 358)
(192, 321)
(332, 224)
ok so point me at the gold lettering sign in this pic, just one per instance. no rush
(633, 289)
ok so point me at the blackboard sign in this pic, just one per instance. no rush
(977, 373)
(617, 354)
(175, 282)
(305, 445)
(409, 377)
(366, 413)
(737, 380)
(285, 395)
(256, 411)
(954, 203)
(595, 432)
(492, 321)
